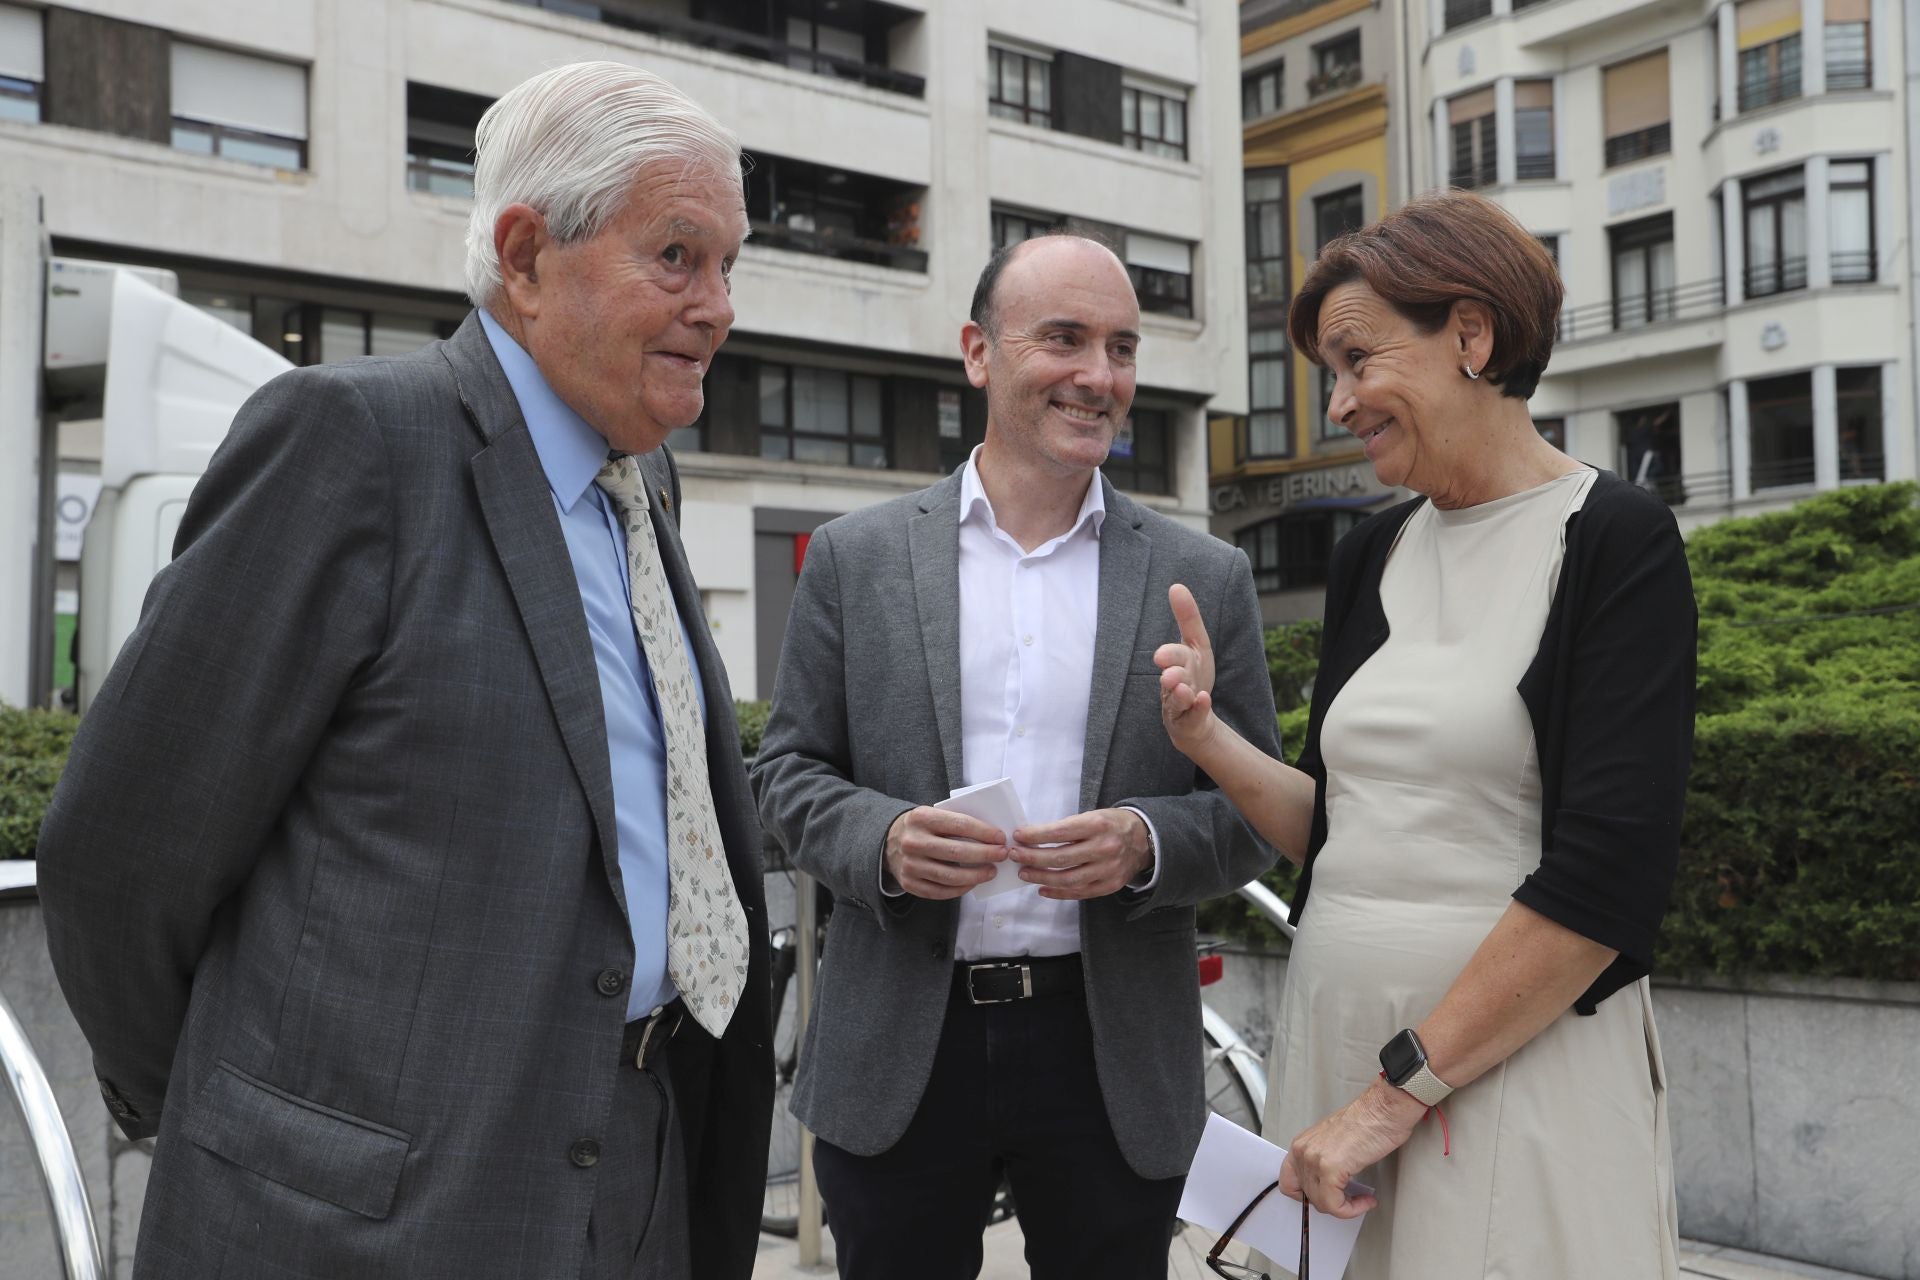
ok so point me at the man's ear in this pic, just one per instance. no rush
(519, 235)
(1472, 325)
(973, 352)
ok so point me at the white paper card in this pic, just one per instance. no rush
(997, 804)
(1229, 1169)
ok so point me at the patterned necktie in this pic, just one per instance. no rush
(706, 929)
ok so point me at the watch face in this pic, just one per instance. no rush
(1401, 1056)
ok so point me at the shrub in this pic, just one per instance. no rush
(33, 751)
(753, 723)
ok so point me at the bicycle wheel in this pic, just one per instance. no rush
(780, 1210)
(1229, 1067)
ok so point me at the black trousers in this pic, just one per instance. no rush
(1013, 1091)
(638, 1228)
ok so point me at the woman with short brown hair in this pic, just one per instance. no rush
(1487, 806)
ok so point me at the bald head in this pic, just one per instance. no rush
(1057, 257)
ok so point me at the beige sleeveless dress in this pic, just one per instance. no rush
(1561, 1166)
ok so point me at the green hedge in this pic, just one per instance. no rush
(33, 751)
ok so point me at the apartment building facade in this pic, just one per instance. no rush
(1323, 154)
(304, 168)
(1726, 189)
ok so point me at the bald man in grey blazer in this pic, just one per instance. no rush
(1003, 623)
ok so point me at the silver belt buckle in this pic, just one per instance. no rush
(1026, 982)
(654, 1020)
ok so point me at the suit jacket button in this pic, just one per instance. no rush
(938, 950)
(611, 982)
(584, 1153)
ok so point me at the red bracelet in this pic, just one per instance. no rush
(1446, 1137)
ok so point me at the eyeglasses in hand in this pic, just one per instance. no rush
(1233, 1270)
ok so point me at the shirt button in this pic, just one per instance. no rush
(1020, 732)
(1026, 639)
(611, 982)
(999, 922)
(584, 1153)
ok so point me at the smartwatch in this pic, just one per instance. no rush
(1403, 1060)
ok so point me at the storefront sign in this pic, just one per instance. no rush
(1284, 491)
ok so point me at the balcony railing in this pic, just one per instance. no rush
(1855, 266)
(632, 16)
(1533, 166)
(1682, 302)
(1341, 77)
(1850, 74)
(1461, 12)
(828, 244)
(1759, 91)
(1625, 148)
(1763, 279)
(1780, 473)
(1467, 177)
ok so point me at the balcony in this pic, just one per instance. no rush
(776, 45)
(1655, 140)
(1764, 279)
(835, 244)
(1855, 266)
(1333, 80)
(1765, 91)
(1681, 302)
(1461, 12)
(1850, 74)
(835, 213)
(1538, 165)
(1469, 176)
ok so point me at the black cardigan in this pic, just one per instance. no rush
(1610, 693)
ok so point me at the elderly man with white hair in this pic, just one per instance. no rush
(405, 876)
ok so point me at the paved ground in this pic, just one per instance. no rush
(779, 1260)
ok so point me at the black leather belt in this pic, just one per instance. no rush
(1018, 978)
(646, 1037)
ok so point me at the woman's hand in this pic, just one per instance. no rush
(1323, 1160)
(1186, 677)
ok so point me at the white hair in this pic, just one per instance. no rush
(570, 142)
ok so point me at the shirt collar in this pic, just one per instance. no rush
(975, 505)
(571, 452)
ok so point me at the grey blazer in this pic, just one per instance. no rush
(331, 880)
(866, 725)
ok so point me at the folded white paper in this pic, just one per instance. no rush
(1229, 1169)
(997, 804)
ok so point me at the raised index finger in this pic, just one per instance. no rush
(1193, 631)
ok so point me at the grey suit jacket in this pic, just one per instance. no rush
(866, 725)
(331, 878)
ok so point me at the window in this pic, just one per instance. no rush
(1643, 272)
(1551, 243)
(1533, 129)
(1141, 459)
(825, 50)
(22, 63)
(1336, 65)
(1553, 431)
(836, 213)
(1776, 206)
(1326, 379)
(1780, 431)
(249, 109)
(1268, 366)
(1637, 109)
(1011, 226)
(1335, 215)
(346, 334)
(1155, 123)
(1461, 12)
(1850, 221)
(1769, 41)
(1262, 92)
(1476, 148)
(1857, 399)
(1291, 551)
(1849, 48)
(440, 125)
(1019, 86)
(821, 415)
(1267, 237)
(309, 331)
(1650, 449)
(1162, 272)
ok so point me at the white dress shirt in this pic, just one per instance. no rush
(1027, 622)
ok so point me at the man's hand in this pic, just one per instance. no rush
(1186, 677)
(936, 853)
(1096, 854)
(1323, 1160)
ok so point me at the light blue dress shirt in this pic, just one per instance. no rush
(572, 453)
